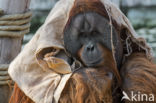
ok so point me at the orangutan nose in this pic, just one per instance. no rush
(90, 47)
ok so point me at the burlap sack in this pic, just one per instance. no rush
(30, 70)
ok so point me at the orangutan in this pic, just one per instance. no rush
(94, 39)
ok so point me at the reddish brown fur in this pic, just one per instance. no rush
(88, 85)
(82, 6)
(94, 85)
(19, 97)
(139, 75)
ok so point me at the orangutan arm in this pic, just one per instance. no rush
(139, 75)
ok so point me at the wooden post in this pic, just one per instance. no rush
(10, 47)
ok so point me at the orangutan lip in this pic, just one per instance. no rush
(94, 62)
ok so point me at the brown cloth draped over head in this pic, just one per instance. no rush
(39, 73)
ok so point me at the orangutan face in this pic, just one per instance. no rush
(87, 38)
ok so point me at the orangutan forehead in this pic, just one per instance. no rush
(89, 21)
